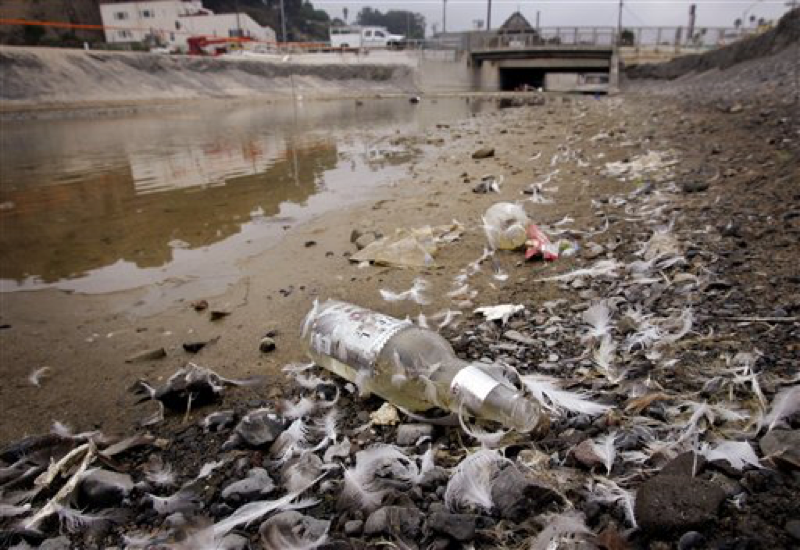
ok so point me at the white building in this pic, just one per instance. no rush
(172, 22)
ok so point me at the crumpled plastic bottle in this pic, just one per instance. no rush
(506, 226)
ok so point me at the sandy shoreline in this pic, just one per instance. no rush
(85, 339)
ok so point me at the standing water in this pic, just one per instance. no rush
(101, 205)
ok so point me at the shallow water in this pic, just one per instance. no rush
(109, 204)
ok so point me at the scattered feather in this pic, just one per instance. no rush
(38, 375)
(471, 483)
(785, 403)
(736, 453)
(186, 500)
(500, 313)
(568, 524)
(603, 268)
(605, 449)
(414, 293)
(598, 316)
(551, 397)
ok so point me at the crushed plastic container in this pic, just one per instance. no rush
(505, 225)
(411, 367)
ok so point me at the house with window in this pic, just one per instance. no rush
(172, 22)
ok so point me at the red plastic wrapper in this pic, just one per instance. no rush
(538, 244)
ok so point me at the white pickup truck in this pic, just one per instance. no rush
(365, 37)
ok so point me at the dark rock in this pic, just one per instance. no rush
(353, 528)
(104, 489)
(58, 543)
(147, 355)
(676, 504)
(483, 153)
(199, 305)
(686, 464)
(256, 483)
(365, 240)
(694, 186)
(514, 495)
(292, 526)
(232, 541)
(793, 528)
(691, 540)
(259, 427)
(266, 345)
(394, 520)
(458, 526)
(782, 446)
(409, 434)
(309, 244)
(218, 314)
(193, 347)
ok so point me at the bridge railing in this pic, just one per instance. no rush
(646, 37)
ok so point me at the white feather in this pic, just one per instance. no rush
(471, 483)
(75, 521)
(737, 453)
(12, 511)
(422, 321)
(567, 524)
(502, 312)
(362, 486)
(414, 293)
(605, 449)
(603, 358)
(187, 498)
(603, 268)
(785, 403)
(208, 468)
(599, 318)
(489, 440)
(544, 390)
(38, 375)
(255, 510)
(445, 317)
(605, 490)
(293, 411)
(293, 440)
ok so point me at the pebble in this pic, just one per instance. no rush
(409, 434)
(676, 504)
(266, 345)
(483, 153)
(58, 543)
(783, 446)
(147, 355)
(515, 496)
(391, 520)
(354, 527)
(691, 540)
(104, 488)
(458, 526)
(259, 428)
(256, 483)
(793, 528)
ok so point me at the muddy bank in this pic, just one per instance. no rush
(50, 77)
(785, 35)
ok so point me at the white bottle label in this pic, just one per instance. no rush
(471, 386)
(353, 335)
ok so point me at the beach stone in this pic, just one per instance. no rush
(267, 344)
(782, 446)
(104, 489)
(147, 355)
(676, 504)
(354, 527)
(386, 415)
(389, 520)
(259, 428)
(458, 526)
(516, 497)
(483, 153)
(256, 483)
(291, 523)
(694, 186)
(58, 543)
(363, 241)
(691, 540)
(685, 464)
(585, 454)
(233, 541)
(409, 434)
(793, 528)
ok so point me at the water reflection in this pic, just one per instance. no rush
(103, 205)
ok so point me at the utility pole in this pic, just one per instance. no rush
(489, 15)
(283, 23)
(619, 24)
(692, 19)
(444, 16)
(537, 19)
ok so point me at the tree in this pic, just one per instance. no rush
(346, 13)
(407, 23)
(737, 23)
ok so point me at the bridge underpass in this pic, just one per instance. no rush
(588, 69)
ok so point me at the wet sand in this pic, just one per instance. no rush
(85, 339)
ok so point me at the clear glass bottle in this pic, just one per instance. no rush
(411, 367)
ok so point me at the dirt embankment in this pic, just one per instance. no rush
(785, 35)
(52, 77)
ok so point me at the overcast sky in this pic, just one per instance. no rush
(462, 13)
